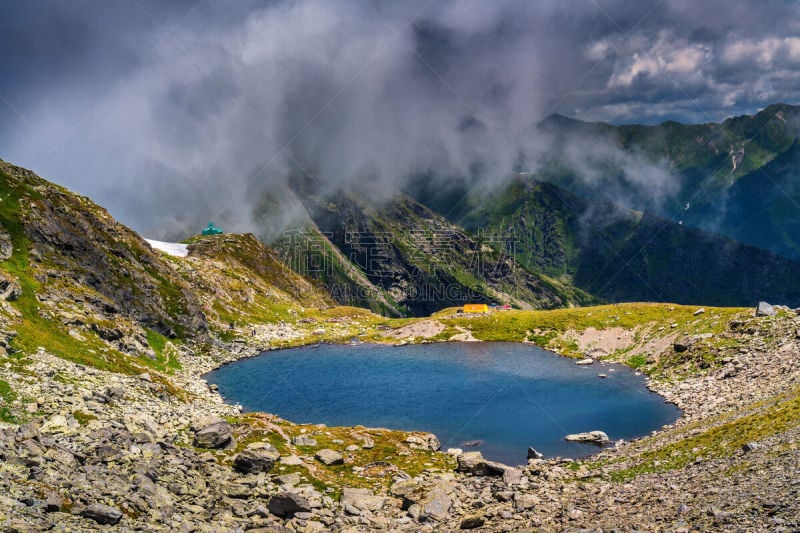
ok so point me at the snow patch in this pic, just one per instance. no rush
(172, 248)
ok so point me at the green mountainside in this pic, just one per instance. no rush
(704, 165)
(419, 260)
(622, 255)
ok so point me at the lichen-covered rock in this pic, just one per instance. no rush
(329, 457)
(215, 435)
(255, 461)
(427, 441)
(102, 514)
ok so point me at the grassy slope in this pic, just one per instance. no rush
(621, 255)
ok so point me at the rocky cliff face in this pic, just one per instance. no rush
(84, 280)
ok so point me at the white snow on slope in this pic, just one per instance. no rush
(172, 248)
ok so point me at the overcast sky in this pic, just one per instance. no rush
(172, 111)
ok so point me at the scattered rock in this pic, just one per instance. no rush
(354, 501)
(699, 311)
(53, 503)
(286, 504)
(427, 441)
(291, 460)
(525, 500)
(472, 521)
(533, 454)
(255, 461)
(10, 288)
(513, 477)
(329, 457)
(215, 435)
(587, 361)
(765, 309)
(591, 437)
(303, 440)
(102, 514)
(6, 246)
(751, 447)
(473, 463)
(435, 506)
(289, 479)
(684, 343)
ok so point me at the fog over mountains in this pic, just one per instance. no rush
(173, 115)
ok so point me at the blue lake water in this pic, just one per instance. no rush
(508, 396)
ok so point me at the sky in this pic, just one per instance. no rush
(175, 113)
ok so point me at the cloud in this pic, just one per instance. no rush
(173, 113)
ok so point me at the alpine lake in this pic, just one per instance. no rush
(495, 397)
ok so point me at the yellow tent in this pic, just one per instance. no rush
(476, 308)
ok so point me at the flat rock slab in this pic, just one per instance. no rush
(329, 457)
(291, 460)
(591, 437)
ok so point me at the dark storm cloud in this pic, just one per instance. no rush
(170, 113)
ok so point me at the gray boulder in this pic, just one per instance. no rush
(473, 463)
(435, 506)
(683, 344)
(216, 435)
(6, 247)
(286, 504)
(427, 441)
(355, 501)
(765, 309)
(10, 288)
(102, 514)
(591, 437)
(303, 440)
(329, 457)
(255, 461)
(533, 454)
(750, 447)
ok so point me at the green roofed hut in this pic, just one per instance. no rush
(211, 229)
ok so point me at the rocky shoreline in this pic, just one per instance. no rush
(106, 450)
